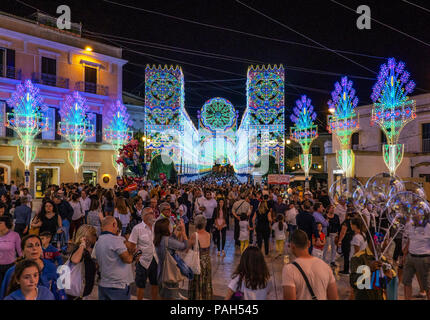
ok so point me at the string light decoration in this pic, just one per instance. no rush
(344, 122)
(217, 131)
(168, 126)
(304, 131)
(392, 109)
(117, 132)
(75, 126)
(27, 120)
(264, 113)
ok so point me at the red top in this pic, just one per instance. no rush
(322, 237)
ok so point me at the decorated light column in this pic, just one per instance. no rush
(305, 131)
(392, 109)
(75, 127)
(27, 121)
(343, 123)
(117, 132)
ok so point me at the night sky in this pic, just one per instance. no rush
(324, 21)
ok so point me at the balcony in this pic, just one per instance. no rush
(50, 80)
(92, 88)
(10, 72)
(426, 145)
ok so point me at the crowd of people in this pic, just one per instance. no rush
(112, 238)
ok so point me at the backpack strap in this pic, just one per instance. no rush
(311, 291)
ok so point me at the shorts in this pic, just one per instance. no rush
(420, 266)
(142, 274)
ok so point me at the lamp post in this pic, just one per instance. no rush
(304, 132)
(392, 109)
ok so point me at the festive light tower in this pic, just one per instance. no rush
(27, 121)
(117, 133)
(75, 127)
(344, 122)
(304, 131)
(392, 109)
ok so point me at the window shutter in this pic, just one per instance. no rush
(9, 131)
(99, 128)
(10, 63)
(57, 124)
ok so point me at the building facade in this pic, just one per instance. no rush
(367, 146)
(58, 63)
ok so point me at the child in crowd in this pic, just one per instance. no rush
(24, 284)
(280, 228)
(49, 251)
(318, 242)
(244, 232)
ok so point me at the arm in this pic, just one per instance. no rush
(342, 235)
(36, 223)
(289, 293)
(60, 225)
(229, 294)
(77, 256)
(332, 292)
(18, 246)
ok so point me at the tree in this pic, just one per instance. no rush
(158, 166)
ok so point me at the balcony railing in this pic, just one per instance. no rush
(10, 72)
(426, 145)
(92, 88)
(50, 80)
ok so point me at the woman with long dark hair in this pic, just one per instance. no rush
(48, 219)
(262, 221)
(220, 225)
(251, 277)
(31, 246)
(165, 239)
(25, 283)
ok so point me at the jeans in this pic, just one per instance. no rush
(66, 227)
(291, 229)
(236, 231)
(114, 293)
(346, 249)
(209, 224)
(219, 238)
(330, 243)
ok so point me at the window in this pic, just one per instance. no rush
(92, 119)
(2, 62)
(2, 118)
(426, 176)
(426, 137)
(315, 150)
(355, 139)
(50, 133)
(49, 71)
(90, 79)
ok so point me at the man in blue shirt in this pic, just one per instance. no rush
(319, 217)
(22, 217)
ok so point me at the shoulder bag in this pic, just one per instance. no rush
(311, 291)
(77, 278)
(170, 273)
(238, 294)
(192, 259)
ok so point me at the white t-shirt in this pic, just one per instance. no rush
(419, 238)
(210, 206)
(77, 210)
(244, 232)
(357, 240)
(279, 234)
(124, 218)
(142, 235)
(290, 216)
(319, 275)
(248, 294)
(340, 210)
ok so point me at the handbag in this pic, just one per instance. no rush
(34, 231)
(77, 279)
(170, 273)
(192, 259)
(311, 291)
(238, 294)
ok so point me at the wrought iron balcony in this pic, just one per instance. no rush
(92, 88)
(10, 72)
(50, 80)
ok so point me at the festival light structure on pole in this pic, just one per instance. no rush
(305, 131)
(75, 127)
(117, 132)
(392, 109)
(343, 123)
(27, 121)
